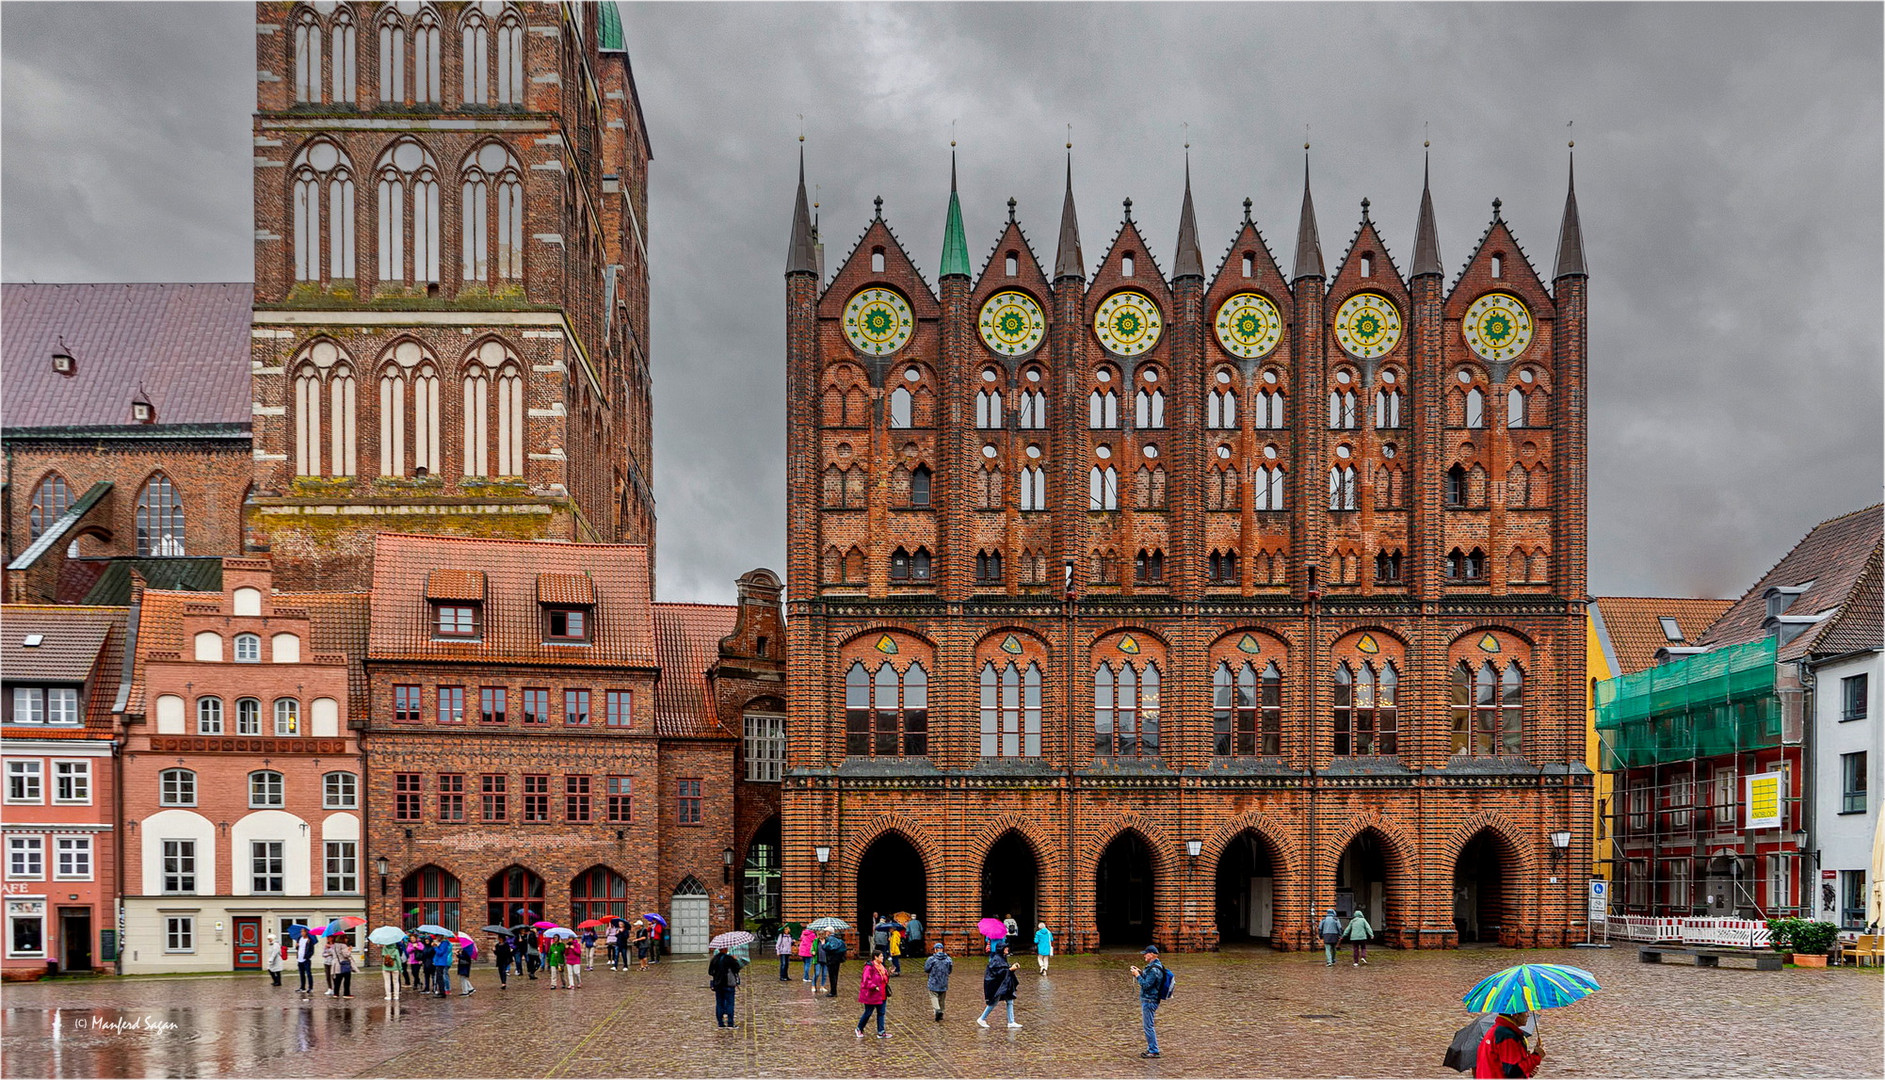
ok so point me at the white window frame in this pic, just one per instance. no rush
(346, 855)
(287, 721)
(77, 847)
(180, 933)
(254, 655)
(268, 867)
(334, 799)
(203, 726)
(32, 848)
(164, 872)
(164, 799)
(280, 792)
(765, 747)
(31, 773)
(41, 920)
(79, 773)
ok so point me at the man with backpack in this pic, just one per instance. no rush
(835, 950)
(1155, 985)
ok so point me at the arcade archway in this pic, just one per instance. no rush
(1124, 890)
(890, 878)
(1485, 894)
(1246, 889)
(1011, 879)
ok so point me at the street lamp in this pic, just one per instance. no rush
(1560, 843)
(1194, 848)
(726, 865)
(379, 865)
(823, 853)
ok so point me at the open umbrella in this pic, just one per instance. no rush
(1463, 1053)
(543, 925)
(433, 928)
(588, 923)
(351, 921)
(654, 918)
(730, 939)
(559, 932)
(521, 927)
(387, 935)
(992, 929)
(296, 930)
(902, 917)
(829, 922)
(1530, 986)
(494, 929)
(526, 913)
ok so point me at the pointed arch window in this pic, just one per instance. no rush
(491, 201)
(510, 59)
(1148, 567)
(1223, 568)
(426, 64)
(901, 408)
(1103, 488)
(988, 409)
(51, 499)
(322, 181)
(1149, 409)
(1126, 710)
(1387, 408)
(1031, 413)
(1456, 486)
(1106, 567)
(1342, 409)
(1247, 710)
(408, 214)
(1033, 488)
(1270, 488)
(159, 518)
(346, 76)
(1475, 408)
(476, 63)
(426, 460)
(392, 58)
(1488, 709)
(1221, 409)
(392, 421)
(1103, 410)
(1011, 710)
(919, 487)
(988, 568)
(510, 421)
(477, 392)
(1342, 488)
(1367, 712)
(1387, 567)
(886, 713)
(307, 57)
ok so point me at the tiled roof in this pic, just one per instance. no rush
(689, 636)
(186, 346)
(78, 641)
(1633, 625)
(574, 589)
(1832, 557)
(1861, 624)
(337, 624)
(446, 584)
(622, 630)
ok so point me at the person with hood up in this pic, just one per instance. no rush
(1043, 946)
(271, 953)
(808, 941)
(1331, 933)
(999, 983)
(442, 964)
(873, 991)
(723, 974)
(1510, 1048)
(1358, 933)
(938, 967)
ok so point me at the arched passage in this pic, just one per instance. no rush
(510, 892)
(1361, 878)
(1485, 889)
(1011, 878)
(890, 878)
(1246, 888)
(759, 882)
(1123, 891)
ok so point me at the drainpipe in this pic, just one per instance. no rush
(1314, 680)
(1067, 800)
(1809, 773)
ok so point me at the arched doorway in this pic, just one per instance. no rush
(689, 917)
(1727, 890)
(597, 893)
(1361, 879)
(1123, 894)
(429, 895)
(1011, 878)
(759, 882)
(1484, 897)
(890, 878)
(509, 894)
(1246, 889)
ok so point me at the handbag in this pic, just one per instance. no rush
(346, 967)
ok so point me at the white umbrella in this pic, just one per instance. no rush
(1875, 896)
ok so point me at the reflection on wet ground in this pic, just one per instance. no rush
(1235, 1014)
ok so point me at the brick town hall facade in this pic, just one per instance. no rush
(1184, 608)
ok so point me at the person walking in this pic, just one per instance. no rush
(466, 954)
(785, 946)
(896, 952)
(874, 991)
(415, 963)
(392, 966)
(304, 962)
(1358, 934)
(1509, 1049)
(808, 947)
(723, 974)
(442, 965)
(573, 953)
(1043, 946)
(938, 967)
(1014, 928)
(533, 953)
(1151, 981)
(835, 950)
(343, 969)
(556, 961)
(1331, 933)
(525, 943)
(505, 954)
(880, 935)
(272, 959)
(327, 962)
(916, 929)
(999, 983)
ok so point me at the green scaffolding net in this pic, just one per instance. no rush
(1718, 702)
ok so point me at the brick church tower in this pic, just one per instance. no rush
(1181, 606)
(451, 281)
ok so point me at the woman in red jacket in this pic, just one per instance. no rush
(873, 990)
(1508, 1050)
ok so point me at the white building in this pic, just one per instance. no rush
(1847, 667)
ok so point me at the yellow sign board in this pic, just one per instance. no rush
(1765, 808)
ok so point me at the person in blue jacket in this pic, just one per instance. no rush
(442, 965)
(1151, 981)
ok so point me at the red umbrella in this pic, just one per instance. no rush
(587, 923)
(351, 920)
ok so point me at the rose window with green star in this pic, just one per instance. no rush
(878, 321)
(1248, 325)
(1367, 325)
(1011, 323)
(1497, 326)
(1127, 323)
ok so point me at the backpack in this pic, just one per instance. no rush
(1166, 984)
(835, 950)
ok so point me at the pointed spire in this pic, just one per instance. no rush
(1426, 233)
(1570, 234)
(1189, 262)
(955, 251)
(1308, 242)
(1068, 260)
(801, 255)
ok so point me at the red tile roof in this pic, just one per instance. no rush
(689, 636)
(622, 631)
(79, 643)
(186, 346)
(1831, 557)
(1633, 625)
(337, 626)
(1860, 626)
(445, 584)
(574, 589)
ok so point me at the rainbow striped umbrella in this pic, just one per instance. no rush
(1530, 986)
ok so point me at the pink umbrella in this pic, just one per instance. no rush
(544, 925)
(992, 929)
(351, 920)
(463, 940)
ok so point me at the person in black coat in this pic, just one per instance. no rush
(505, 953)
(723, 974)
(834, 954)
(999, 983)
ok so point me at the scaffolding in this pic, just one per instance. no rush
(1680, 738)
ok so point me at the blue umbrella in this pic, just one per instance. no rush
(296, 930)
(433, 928)
(387, 935)
(1528, 987)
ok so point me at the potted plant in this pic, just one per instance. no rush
(1811, 942)
(1779, 937)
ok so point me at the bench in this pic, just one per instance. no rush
(1763, 961)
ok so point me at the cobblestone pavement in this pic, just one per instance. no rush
(1234, 1014)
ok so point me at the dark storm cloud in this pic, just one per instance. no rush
(1728, 174)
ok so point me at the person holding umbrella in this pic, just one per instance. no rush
(343, 968)
(999, 983)
(392, 958)
(467, 952)
(442, 964)
(505, 953)
(723, 975)
(640, 938)
(573, 961)
(327, 957)
(834, 951)
(304, 960)
(558, 952)
(1507, 1046)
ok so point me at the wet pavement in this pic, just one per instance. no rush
(1233, 1014)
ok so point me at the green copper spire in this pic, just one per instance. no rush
(955, 253)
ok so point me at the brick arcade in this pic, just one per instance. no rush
(1185, 607)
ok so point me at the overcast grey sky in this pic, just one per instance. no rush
(1729, 168)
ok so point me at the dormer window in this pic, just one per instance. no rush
(63, 363)
(1670, 630)
(457, 599)
(568, 626)
(1781, 597)
(567, 601)
(143, 413)
(456, 620)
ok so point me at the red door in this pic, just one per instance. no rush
(248, 942)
